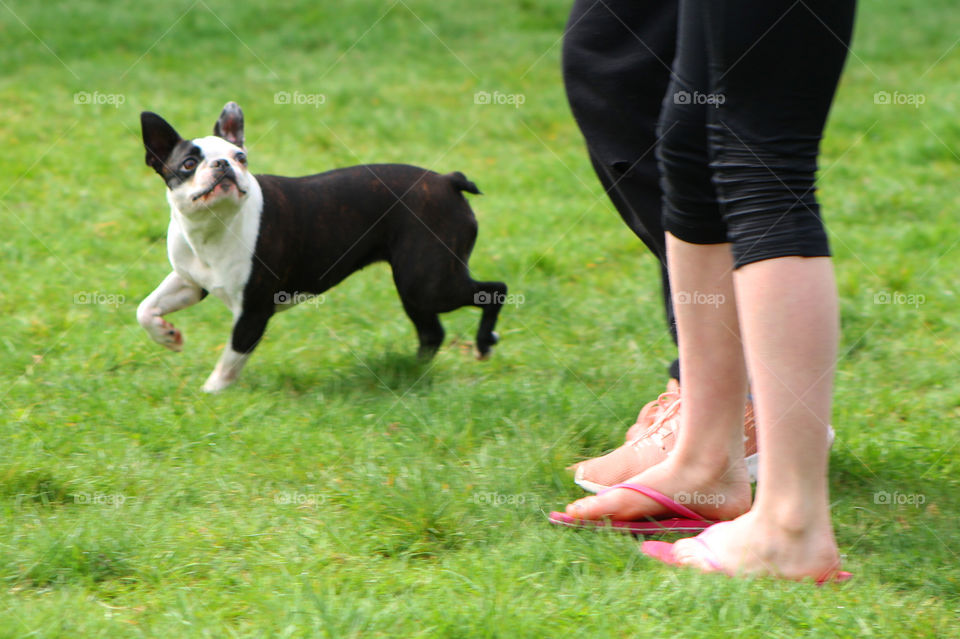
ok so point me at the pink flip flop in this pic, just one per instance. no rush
(688, 521)
(664, 551)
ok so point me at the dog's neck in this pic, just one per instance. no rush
(208, 230)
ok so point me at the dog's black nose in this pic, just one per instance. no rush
(220, 164)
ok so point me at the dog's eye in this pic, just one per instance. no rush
(189, 164)
(242, 158)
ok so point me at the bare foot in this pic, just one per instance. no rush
(751, 546)
(712, 493)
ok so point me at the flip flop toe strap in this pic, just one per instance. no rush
(660, 498)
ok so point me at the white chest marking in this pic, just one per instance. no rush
(214, 247)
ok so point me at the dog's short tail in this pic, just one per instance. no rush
(460, 181)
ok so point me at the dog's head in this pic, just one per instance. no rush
(204, 173)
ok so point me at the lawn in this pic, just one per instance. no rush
(344, 489)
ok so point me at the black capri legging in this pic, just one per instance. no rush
(742, 120)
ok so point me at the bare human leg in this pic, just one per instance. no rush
(706, 466)
(790, 328)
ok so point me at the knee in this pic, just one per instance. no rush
(768, 197)
(690, 208)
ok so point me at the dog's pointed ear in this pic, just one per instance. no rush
(230, 124)
(159, 138)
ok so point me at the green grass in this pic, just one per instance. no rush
(342, 489)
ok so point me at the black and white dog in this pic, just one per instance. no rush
(263, 243)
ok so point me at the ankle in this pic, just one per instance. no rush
(712, 463)
(721, 446)
(800, 519)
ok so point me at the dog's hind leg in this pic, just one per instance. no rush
(429, 330)
(489, 296)
(433, 295)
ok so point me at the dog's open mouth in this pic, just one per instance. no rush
(225, 177)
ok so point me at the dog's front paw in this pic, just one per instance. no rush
(214, 386)
(166, 334)
(217, 382)
(160, 330)
(226, 371)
